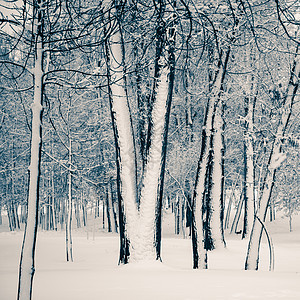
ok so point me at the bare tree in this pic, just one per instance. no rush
(140, 213)
(276, 157)
(27, 259)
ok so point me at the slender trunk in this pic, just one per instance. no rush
(143, 105)
(12, 215)
(171, 77)
(272, 210)
(84, 214)
(290, 222)
(183, 210)
(77, 213)
(27, 269)
(275, 159)
(113, 206)
(237, 216)
(189, 213)
(69, 242)
(104, 205)
(189, 121)
(16, 215)
(9, 218)
(177, 215)
(108, 210)
(125, 151)
(248, 182)
(231, 197)
(199, 252)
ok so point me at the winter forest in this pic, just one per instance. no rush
(149, 149)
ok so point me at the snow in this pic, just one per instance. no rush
(96, 275)
(277, 160)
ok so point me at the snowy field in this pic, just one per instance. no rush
(94, 274)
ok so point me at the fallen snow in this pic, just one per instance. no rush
(94, 274)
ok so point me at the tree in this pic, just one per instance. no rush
(276, 157)
(26, 272)
(248, 182)
(208, 210)
(140, 212)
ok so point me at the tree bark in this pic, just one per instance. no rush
(27, 268)
(69, 242)
(248, 182)
(123, 136)
(199, 237)
(171, 77)
(216, 209)
(140, 225)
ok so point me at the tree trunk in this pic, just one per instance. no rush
(108, 209)
(150, 208)
(231, 197)
(26, 271)
(69, 242)
(290, 222)
(199, 252)
(248, 182)
(139, 226)
(113, 205)
(84, 213)
(123, 136)
(217, 176)
(171, 77)
(237, 216)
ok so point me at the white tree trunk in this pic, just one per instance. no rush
(152, 172)
(275, 160)
(217, 173)
(69, 242)
(251, 87)
(27, 267)
(140, 221)
(121, 113)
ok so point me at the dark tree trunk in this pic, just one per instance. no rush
(108, 209)
(113, 205)
(171, 63)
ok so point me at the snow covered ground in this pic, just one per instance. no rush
(94, 274)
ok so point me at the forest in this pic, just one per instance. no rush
(126, 113)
